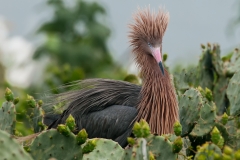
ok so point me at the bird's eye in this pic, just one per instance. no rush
(149, 44)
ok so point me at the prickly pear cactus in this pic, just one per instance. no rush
(190, 104)
(141, 129)
(82, 136)
(185, 79)
(208, 151)
(52, 144)
(206, 72)
(161, 148)
(217, 61)
(219, 94)
(139, 151)
(217, 138)
(37, 114)
(10, 149)
(8, 113)
(206, 121)
(233, 93)
(105, 149)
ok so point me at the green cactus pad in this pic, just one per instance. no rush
(161, 148)
(10, 149)
(233, 93)
(206, 72)
(8, 117)
(190, 104)
(38, 114)
(52, 144)
(206, 121)
(105, 149)
(139, 151)
(185, 79)
(233, 67)
(217, 61)
(219, 94)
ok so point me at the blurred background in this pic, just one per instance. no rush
(47, 43)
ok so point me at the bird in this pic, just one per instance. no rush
(109, 108)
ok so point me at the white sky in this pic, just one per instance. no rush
(192, 22)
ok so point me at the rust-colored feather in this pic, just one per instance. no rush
(158, 104)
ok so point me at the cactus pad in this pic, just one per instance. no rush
(8, 117)
(190, 104)
(206, 121)
(52, 144)
(105, 149)
(233, 93)
(10, 149)
(161, 148)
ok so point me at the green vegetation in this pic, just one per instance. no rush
(75, 44)
(205, 129)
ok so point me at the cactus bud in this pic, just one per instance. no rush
(145, 128)
(217, 138)
(141, 129)
(131, 141)
(137, 130)
(236, 49)
(31, 101)
(81, 137)
(227, 150)
(165, 56)
(40, 103)
(177, 145)
(203, 46)
(8, 95)
(16, 100)
(177, 127)
(151, 156)
(90, 146)
(63, 130)
(226, 157)
(209, 45)
(224, 118)
(208, 94)
(237, 155)
(70, 122)
(217, 156)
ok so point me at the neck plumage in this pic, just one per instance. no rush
(158, 104)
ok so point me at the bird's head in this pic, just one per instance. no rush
(146, 33)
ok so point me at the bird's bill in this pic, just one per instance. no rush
(158, 57)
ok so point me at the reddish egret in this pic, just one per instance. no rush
(109, 108)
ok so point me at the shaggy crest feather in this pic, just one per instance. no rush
(147, 26)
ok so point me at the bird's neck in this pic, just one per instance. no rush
(158, 104)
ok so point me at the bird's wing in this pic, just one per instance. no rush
(114, 122)
(96, 94)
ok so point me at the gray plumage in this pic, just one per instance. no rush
(105, 108)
